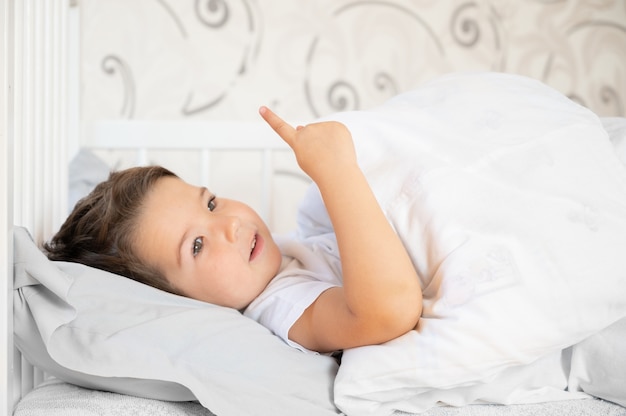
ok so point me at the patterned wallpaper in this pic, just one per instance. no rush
(221, 59)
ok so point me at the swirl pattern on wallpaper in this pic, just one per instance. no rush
(220, 59)
(360, 76)
(207, 22)
(215, 14)
(174, 17)
(465, 30)
(604, 40)
(113, 65)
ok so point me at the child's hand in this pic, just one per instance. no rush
(381, 297)
(321, 149)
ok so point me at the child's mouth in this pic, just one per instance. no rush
(255, 247)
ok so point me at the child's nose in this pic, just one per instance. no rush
(230, 226)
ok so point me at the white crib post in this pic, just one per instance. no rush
(6, 218)
(36, 108)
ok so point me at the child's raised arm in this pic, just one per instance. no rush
(381, 298)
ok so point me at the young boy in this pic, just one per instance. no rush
(470, 183)
(147, 224)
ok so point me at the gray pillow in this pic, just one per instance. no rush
(102, 331)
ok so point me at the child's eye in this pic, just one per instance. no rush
(212, 204)
(197, 246)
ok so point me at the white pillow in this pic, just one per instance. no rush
(512, 204)
(99, 330)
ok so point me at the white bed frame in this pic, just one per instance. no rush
(39, 52)
(38, 132)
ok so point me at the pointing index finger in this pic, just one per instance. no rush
(284, 129)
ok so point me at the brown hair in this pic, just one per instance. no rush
(100, 230)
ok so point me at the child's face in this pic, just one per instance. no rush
(211, 249)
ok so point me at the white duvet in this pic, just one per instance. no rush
(512, 204)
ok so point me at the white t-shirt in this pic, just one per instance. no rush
(310, 266)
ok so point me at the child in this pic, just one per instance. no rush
(147, 224)
(470, 183)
